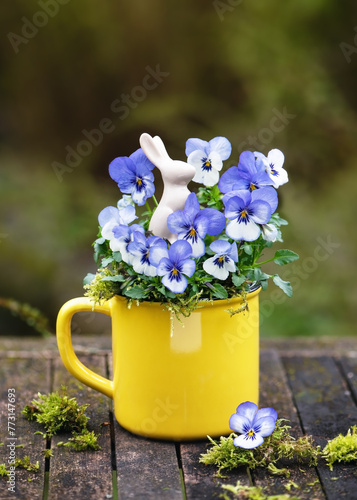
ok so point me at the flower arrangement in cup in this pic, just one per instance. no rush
(190, 247)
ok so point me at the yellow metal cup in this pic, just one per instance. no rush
(172, 381)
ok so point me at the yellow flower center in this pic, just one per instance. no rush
(207, 163)
(174, 271)
(252, 187)
(244, 213)
(251, 433)
(139, 181)
(192, 232)
(221, 259)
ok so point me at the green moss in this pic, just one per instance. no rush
(251, 493)
(57, 413)
(24, 463)
(82, 441)
(341, 448)
(279, 445)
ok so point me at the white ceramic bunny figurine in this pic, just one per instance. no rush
(176, 175)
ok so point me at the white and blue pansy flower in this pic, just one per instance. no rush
(250, 174)
(133, 175)
(252, 424)
(122, 237)
(193, 224)
(274, 166)
(223, 262)
(115, 229)
(247, 211)
(140, 249)
(207, 157)
(173, 264)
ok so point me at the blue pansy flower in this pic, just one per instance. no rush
(246, 210)
(250, 174)
(274, 166)
(193, 223)
(112, 221)
(207, 158)
(140, 249)
(252, 424)
(223, 263)
(115, 228)
(173, 264)
(133, 175)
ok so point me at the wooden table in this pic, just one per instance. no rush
(311, 382)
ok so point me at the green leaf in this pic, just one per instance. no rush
(118, 278)
(284, 285)
(135, 293)
(220, 292)
(238, 279)
(283, 257)
(248, 249)
(117, 256)
(107, 261)
(88, 279)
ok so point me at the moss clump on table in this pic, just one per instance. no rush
(341, 448)
(279, 445)
(59, 413)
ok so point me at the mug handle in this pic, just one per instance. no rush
(64, 341)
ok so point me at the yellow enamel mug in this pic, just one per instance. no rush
(172, 381)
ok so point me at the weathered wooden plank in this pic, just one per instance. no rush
(275, 392)
(200, 480)
(38, 347)
(27, 377)
(146, 469)
(326, 409)
(83, 474)
(349, 369)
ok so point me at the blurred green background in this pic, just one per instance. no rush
(263, 74)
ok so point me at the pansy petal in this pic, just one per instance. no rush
(216, 220)
(233, 252)
(107, 214)
(210, 177)
(248, 442)
(264, 426)
(266, 412)
(177, 285)
(179, 250)
(228, 178)
(261, 211)
(267, 194)
(220, 246)
(276, 157)
(156, 253)
(195, 144)
(216, 160)
(247, 409)
(214, 270)
(188, 267)
(242, 231)
(192, 206)
(197, 245)
(222, 146)
(246, 165)
(239, 423)
(139, 157)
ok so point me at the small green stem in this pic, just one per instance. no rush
(155, 200)
(257, 264)
(148, 207)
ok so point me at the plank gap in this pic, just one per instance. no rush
(346, 379)
(179, 463)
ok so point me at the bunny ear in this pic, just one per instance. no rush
(154, 149)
